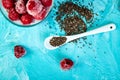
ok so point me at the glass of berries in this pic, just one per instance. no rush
(25, 12)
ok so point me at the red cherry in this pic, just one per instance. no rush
(66, 64)
(19, 51)
(41, 15)
(8, 3)
(26, 18)
(13, 15)
(46, 3)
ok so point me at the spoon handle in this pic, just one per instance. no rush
(105, 28)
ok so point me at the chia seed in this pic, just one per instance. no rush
(69, 18)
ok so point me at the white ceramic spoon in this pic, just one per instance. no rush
(105, 28)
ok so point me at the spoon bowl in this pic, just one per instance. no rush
(47, 43)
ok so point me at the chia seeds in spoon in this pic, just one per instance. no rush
(57, 41)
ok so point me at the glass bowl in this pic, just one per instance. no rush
(18, 22)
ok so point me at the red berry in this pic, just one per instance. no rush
(26, 18)
(34, 7)
(20, 7)
(66, 64)
(13, 15)
(41, 15)
(46, 3)
(19, 51)
(8, 3)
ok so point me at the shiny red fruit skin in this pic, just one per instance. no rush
(46, 3)
(8, 4)
(19, 51)
(26, 18)
(66, 64)
(13, 15)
